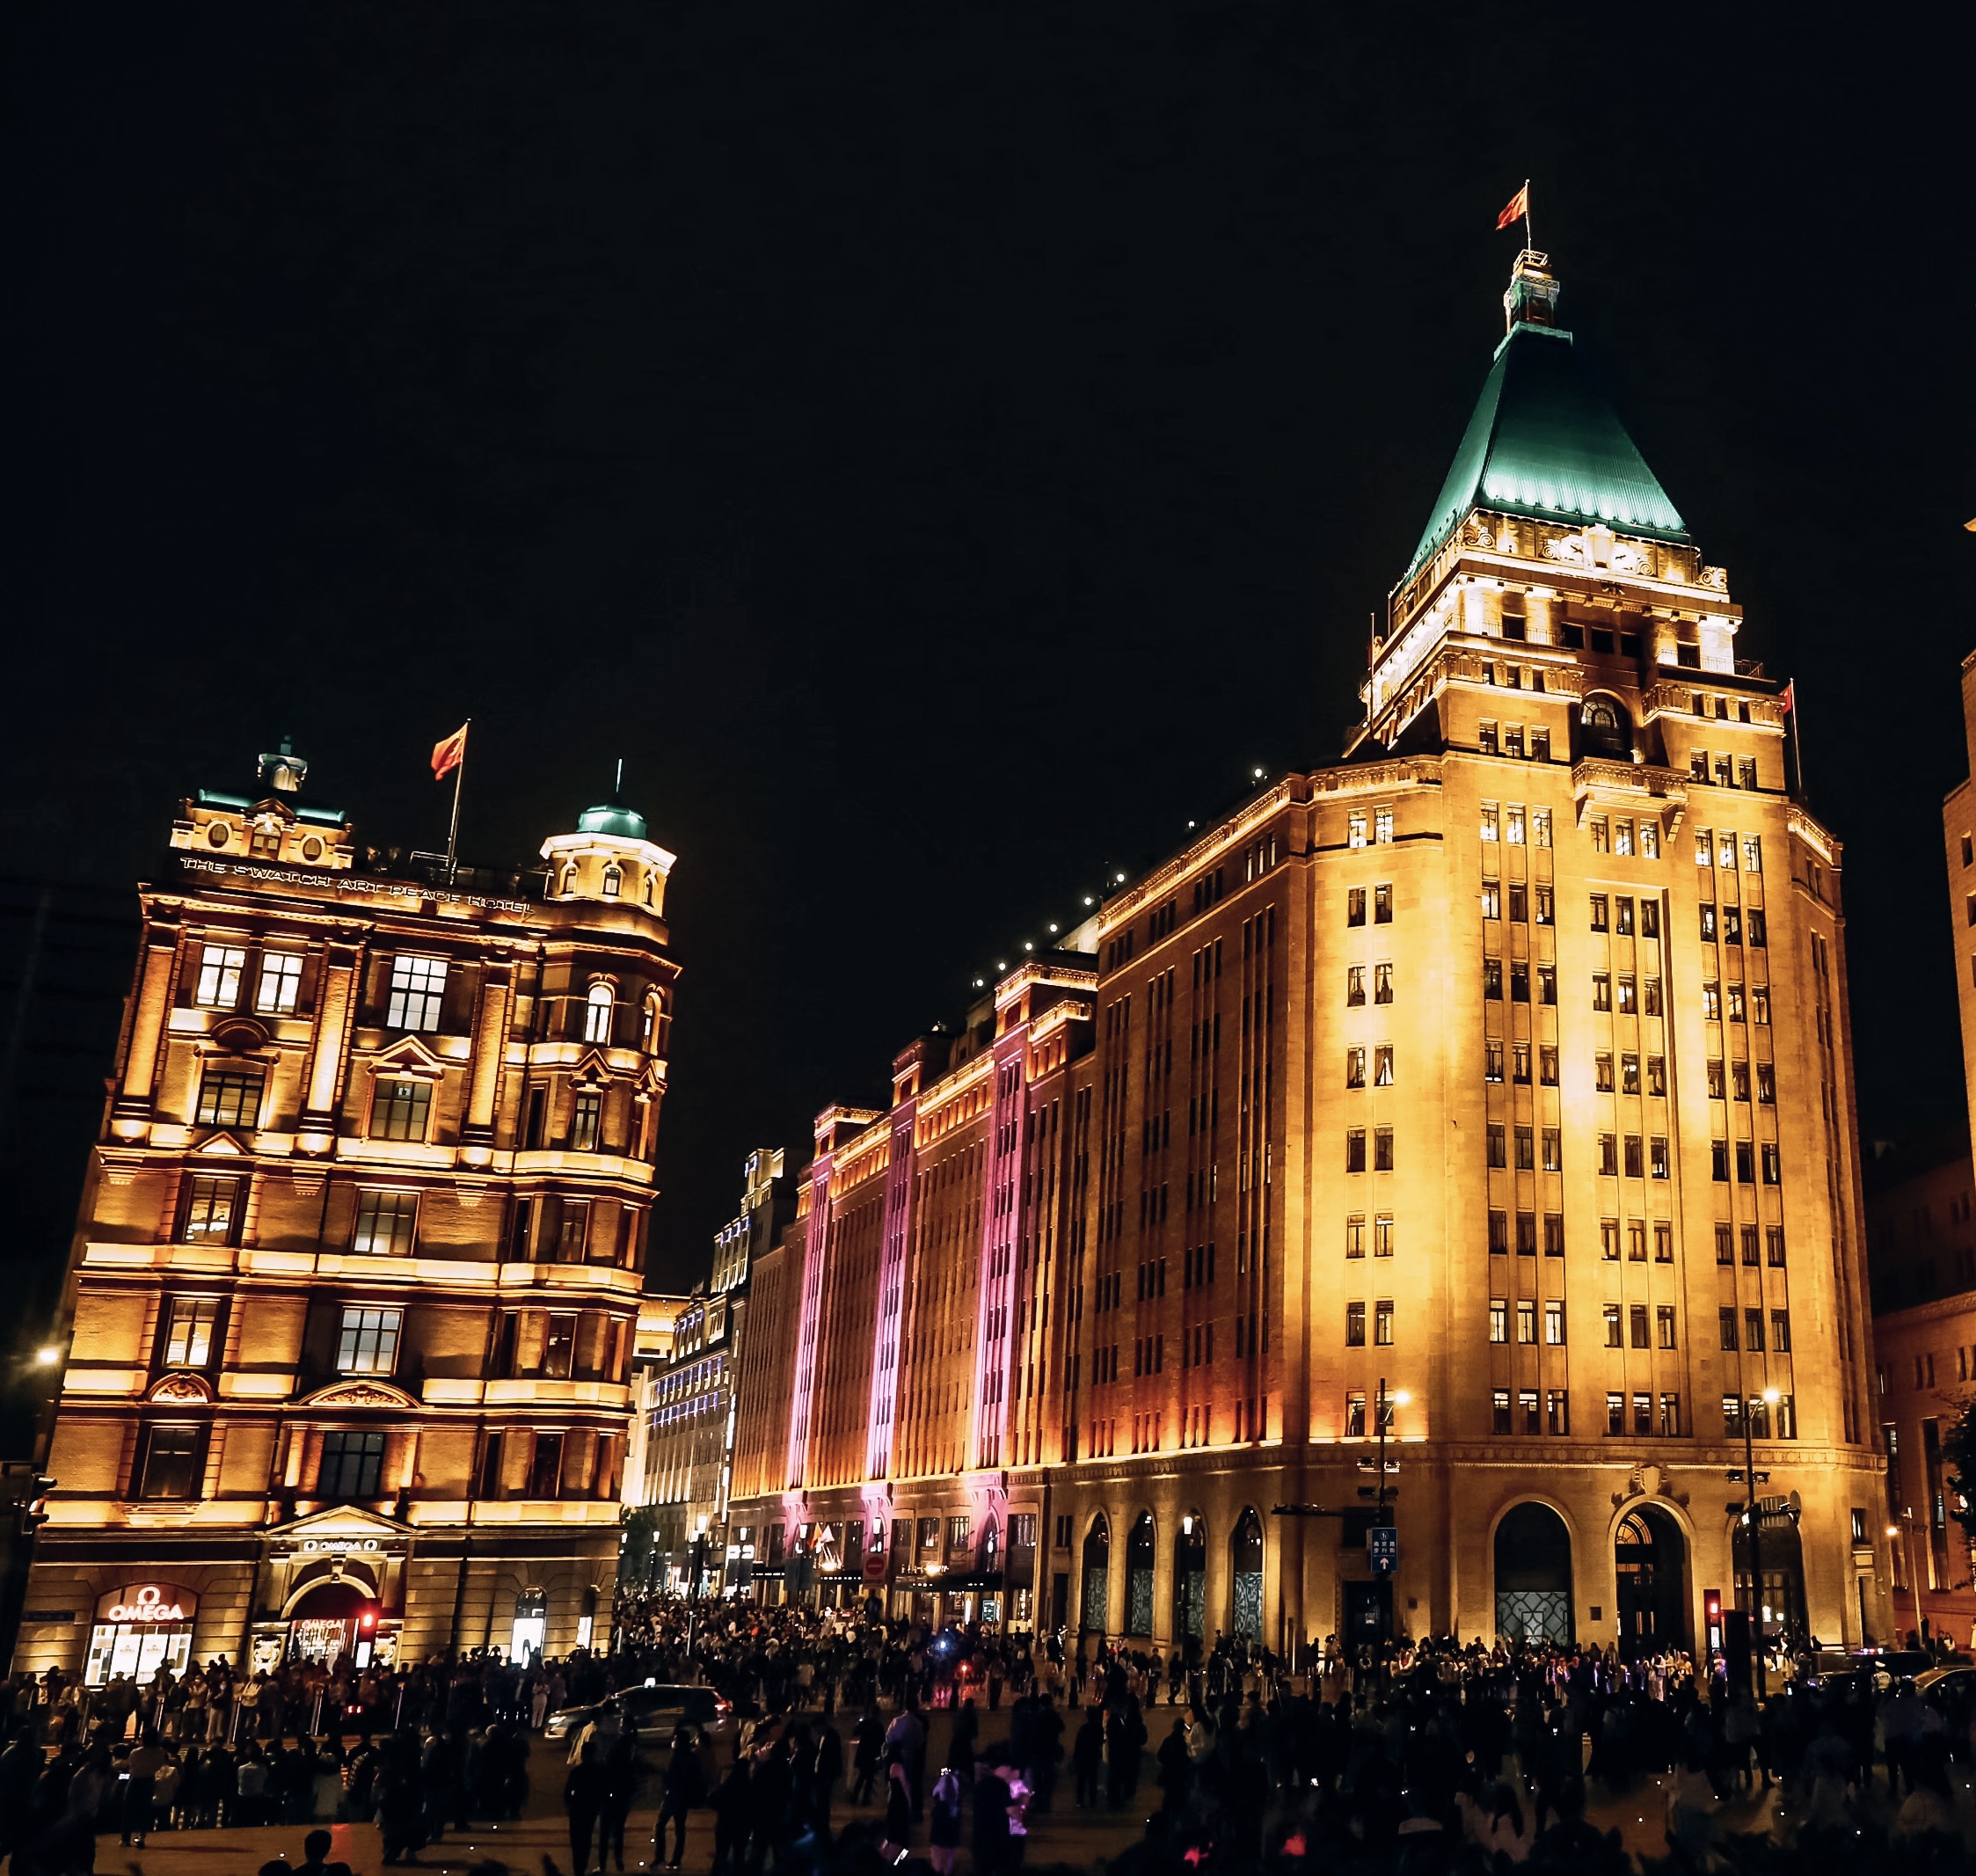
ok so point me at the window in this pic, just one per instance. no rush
(1626, 999)
(1382, 827)
(1715, 1081)
(1753, 1331)
(228, 1098)
(1601, 1073)
(1545, 906)
(1774, 1236)
(1636, 1240)
(188, 1333)
(1664, 1325)
(1740, 1080)
(386, 1223)
(1629, 1074)
(1355, 906)
(401, 1110)
(1526, 1234)
(1540, 742)
(1616, 1413)
(1773, 1164)
(1707, 922)
(1485, 741)
(1766, 1084)
(1526, 1150)
(1726, 1324)
(369, 1341)
(1608, 1155)
(1614, 1338)
(1623, 843)
(1354, 1416)
(1513, 824)
(1355, 1149)
(1520, 905)
(1354, 1068)
(1558, 1412)
(587, 1116)
(211, 1210)
(1491, 900)
(220, 967)
(1382, 1235)
(1602, 990)
(1540, 821)
(1489, 821)
(1499, 1411)
(1519, 1061)
(1643, 1414)
(1355, 828)
(1547, 1066)
(1635, 1161)
(1383, 1066)
(280, 982)
(573, 1232)
(1383, 1326)
(1553, 1149)
(1733, 1416)
(1492, 1061)
(1354, 1326)
(169, 1467)
(1547, 983)
(1670, 1416)
(1355, 1235)
(1498, 1233)
(353, 1466)
(598, 1010)
(1497, 1144)
(1601, 835)
(1759, 1004)
(1657, 1156)
(1657, 1071)
(1383, 1149)
(1725, 1246)
(1499, 1320)
(1383, 905)
(1518, 982)
(1718, 1160)
(1554, 1323)
(1553, 1234)
(1526, 1410)
(1526, 1323)
(1711, 1002)
(1354, 986)
(418, 986)
(1780, 1331)
(1663, 1242)
(1745, 1163)
(1752, 853)
(1649, 996)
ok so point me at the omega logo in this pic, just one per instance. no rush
(149, 1605)
(329, 1544)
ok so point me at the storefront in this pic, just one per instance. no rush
(334, 1619)
(139, 1629)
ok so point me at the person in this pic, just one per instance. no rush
(732, 1800)
(142, 1766)
(1087, 1756)
(316, 1857)
(992, 1799)
(827, 1767)
(943, 1819)
(620, 1784)
(684, 1790)
(895, 1841)
(869, 1751)
(583, 1792)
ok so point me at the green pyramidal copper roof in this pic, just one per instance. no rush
(612, 817)
(1544, 443)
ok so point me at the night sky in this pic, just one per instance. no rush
(939, 449)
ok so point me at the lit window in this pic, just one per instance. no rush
(228, 1098)
(401, 1110)
(1355, 828)
(1554, 1323)
(1382, 983)
(211, 1210)
(418, 988)
(1526, 1323)
(1383, 1326)
(1489, 821)
(1354, 1326)
(1382, 827)
(598, 1010)
(1354, 1068)
(220, 967)
(586, 1120)
(1383, 1066)
(386, 1223)
(280, 982)
(1540, 827)
(1382, 1235)
(1513, 824)
(614, 880)
(369, 1341)
(1499, 1320)
(188, 1336)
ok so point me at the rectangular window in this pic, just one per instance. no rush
(1499, 1320)
(1614, 1336)
(1753, 920)
(386, 1223)
(1553, 1234)
(1627, 1002)
(1383, 1326)
(1759, 1004)
(211, 1210)
(400, 1110)
(1520, 905)
(1547, 1065)
(418, 988)
(1383, 1066)
(586, 1121)
(1354, 1068)
(1491, 900)
(1355, 1149)
(1707, 922)
(1602, 835)
(220, 967)
(1498, 1233)
(1748, 1235)
(545, 1474)
(1355, 906)
(1623, 843)
(1636, 1241)
(1492, 978)
(1600, 922)
(170, 1465)
(1497, 1144)
(1540, 827)
(1774, 1237)
(1635, 1162)
(1629, 1074)
(1383, 1234)
(1498, 1411)
(1492, 1061)
(1780, 1331)
(280, 982)
(1553, 1149)
(1354, 1326)
(1489, 821)
(369, 1341)
(1513, 824)
(1518, 982)
(1382, 827)
(1609, 1239)
(1383, 905)
(353, 1467)
(1382, 983)
(1355, 828)
(1656, 1072)
(1512, 734)
(1670, 1416)
(1643, 1414)
(1773, 1164)
(1526, 1411)
(1608, 1155)
(1526, 1323)
(1355, 1235)
(1657, 1158)
(1725, 1325)
(1383, 1149)
(1601, 992)
(1526, 1150)
(1752, 853)
(574, 1231)
(1718, 1161)
(1753, 1331)
(1664, 1325)
(1725, 1246)
(1354, 1416)
(1663, 1242)
(1616, 1413)
(1766, 1084)
(1637, 1324)
(1526, 1234)
(1745, 1163)
(1554, 1323)
(189, 1335)
(1519, 1063)
(1558, 1413)
(1354, 986)
(228, 1098)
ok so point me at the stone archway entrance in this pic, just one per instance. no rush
(1140, 1547)
(1782, 1556)
(1190, 1580)
(1097, 1592)
(1534, 1576)
(1651, 1558)
(1245, 1554)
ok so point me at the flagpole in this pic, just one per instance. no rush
(1797, 745)
(1529, 240)
(453, 832)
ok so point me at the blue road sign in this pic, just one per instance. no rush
(1383, 1546)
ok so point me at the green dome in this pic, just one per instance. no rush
(613, 817)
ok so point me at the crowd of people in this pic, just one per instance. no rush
(1423, 1757)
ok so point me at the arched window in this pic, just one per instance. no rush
(614, 880)
(597, 1013)
(648, 878)
(1098, 1575)
(1139, 1576)
(569, 878)
(649, 1031)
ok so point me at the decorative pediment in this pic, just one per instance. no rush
(237, 1035)
(226, 1143)
(408, 1055)
(592, 1070)
(339, 1526)
(181, 1387)
(364, 1393)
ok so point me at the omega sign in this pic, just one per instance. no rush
(147, 1602)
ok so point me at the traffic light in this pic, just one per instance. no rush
(366, 1619)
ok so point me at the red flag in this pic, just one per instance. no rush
(448, 756)
(1789, 697)
(1515, 208)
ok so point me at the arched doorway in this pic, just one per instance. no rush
(529, 1631)
(1607, 729)
(1651, 1556)
(1533, 1575)
(1245, 1556)
(1782, 1553)
(331, 1619)
(1139, 1576)
(1093, 1610)
(1190, 1580)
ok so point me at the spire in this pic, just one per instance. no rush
(1531, 298)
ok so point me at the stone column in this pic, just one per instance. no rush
(490, 1046)
(133, 1106)
(336, 993)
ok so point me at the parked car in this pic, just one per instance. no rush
(653, 1713)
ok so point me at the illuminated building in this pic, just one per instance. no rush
(359, 1258)
(1506, 1064)
(683, 1462)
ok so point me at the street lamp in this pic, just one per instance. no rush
(1399, 1397)
(1905, 1532)
(1767, 1398)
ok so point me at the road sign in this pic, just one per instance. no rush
(1382, 1547)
